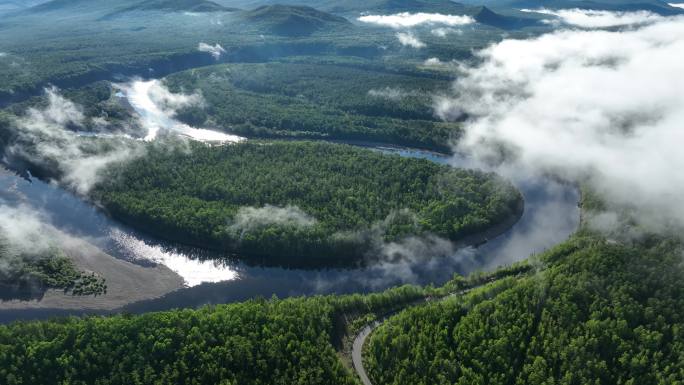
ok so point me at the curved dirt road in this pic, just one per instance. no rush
(357, 350)
(360, 340)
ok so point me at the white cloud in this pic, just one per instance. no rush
(251, 218)
(436, 62)
(215, 50)
(170, 101)
(413, 247)
(52, 136)
(24, 236)
(676, 5)
(587, 18)
(443, 32)
(390, 93)
(47, 136)
(433, 61)
(410, 40)
(598, 106)
(407, 20)
(24, 230)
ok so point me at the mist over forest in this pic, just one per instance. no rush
(341, 192)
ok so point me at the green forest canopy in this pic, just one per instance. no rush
(256, 342)
(595, 312)
(304, 100)
(300, 199)
(599, 312)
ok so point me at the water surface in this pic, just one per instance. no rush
(551, 215)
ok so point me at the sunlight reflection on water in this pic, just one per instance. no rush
(193, 271)
(155, 118)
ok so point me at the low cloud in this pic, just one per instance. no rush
(588, 18)
(390, 93)
(408, 20)
(676, 5)
(443, 32)
(251, 218)
(603, 107)
(48, 138)
(410, 40)
(169, 101)
(551, 215)
(436, 62)
(58, 112)
(25, 236)
(414, 258)
(414, 247)
(24, 230)
(215, 50)
(410, 247)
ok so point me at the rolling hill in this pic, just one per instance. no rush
(395, 6)
(179, 5)
(116, 7)
(484, 15)
(292, 20)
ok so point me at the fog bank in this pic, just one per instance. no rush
(605, 107)
(589, 18)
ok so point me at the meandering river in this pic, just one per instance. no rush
(551, 214)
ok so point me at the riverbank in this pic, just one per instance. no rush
(544, 198)
(126, 282)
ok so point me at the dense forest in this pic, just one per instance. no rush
(71, 44)
(600, 311)
(302, 201)
(255, 342)
(317, 101)
(592, 311)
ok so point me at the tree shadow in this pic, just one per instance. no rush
(22, 291)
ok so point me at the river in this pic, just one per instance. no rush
(551, 215)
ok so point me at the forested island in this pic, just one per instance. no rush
(301, 202)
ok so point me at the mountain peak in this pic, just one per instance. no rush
(484, 15)
(293, 20)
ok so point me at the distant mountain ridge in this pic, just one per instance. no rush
(354, 7)
(395, 6)
(179, 5)
(292, 20)
(115, 7)
(17, 5)
(484, 15)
